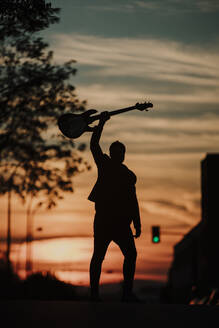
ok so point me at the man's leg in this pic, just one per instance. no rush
(101, 244)
(127, 245)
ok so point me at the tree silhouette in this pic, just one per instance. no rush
(34, 92)
(41, 184)
(18, 16)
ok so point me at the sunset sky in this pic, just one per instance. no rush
(163, 51)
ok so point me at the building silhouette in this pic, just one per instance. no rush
(210, 218)
(195, 261)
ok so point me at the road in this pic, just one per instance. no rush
(36, 313)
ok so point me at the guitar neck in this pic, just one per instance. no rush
(114, 112)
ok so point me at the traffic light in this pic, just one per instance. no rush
(155, 234)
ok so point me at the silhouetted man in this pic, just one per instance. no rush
(116, 208)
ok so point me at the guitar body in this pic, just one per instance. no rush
(74, 125)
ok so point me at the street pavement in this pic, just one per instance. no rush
(35, 313)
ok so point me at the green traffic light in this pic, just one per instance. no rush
(156, 239)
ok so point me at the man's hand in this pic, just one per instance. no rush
(104, 116)
(137, 232)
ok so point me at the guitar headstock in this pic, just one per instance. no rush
(143, 106)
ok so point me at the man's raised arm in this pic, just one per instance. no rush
(95, 138)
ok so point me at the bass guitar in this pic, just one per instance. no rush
(74, 125)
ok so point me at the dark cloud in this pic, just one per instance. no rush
(173, 7)
(158, 18)
(20, 240)
(171, 204)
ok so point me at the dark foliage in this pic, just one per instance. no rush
(47, 287)
(41, 286)
(37, 162)
(18, 16)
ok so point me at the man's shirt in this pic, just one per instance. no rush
(114, 192)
